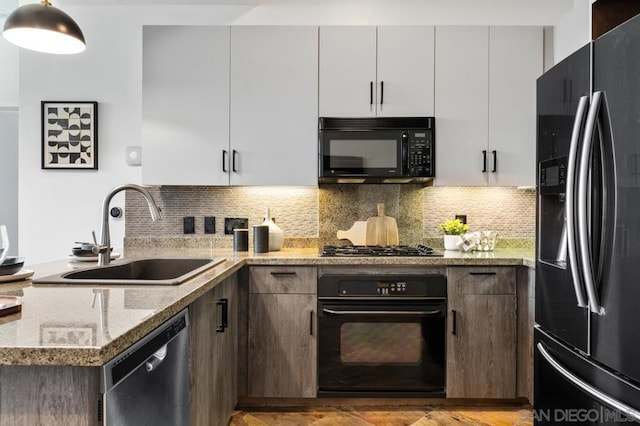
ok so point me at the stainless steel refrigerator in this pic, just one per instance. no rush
(587, 334)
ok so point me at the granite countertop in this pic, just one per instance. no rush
(88, 325)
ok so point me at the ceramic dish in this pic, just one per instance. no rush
(11, 265)
(20, 275)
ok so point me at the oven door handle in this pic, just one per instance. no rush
(385, 313)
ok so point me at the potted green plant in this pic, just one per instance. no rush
(452, 229)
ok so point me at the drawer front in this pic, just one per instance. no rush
(283, 279)
(481, 280)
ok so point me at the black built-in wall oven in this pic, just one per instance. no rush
(381, 335)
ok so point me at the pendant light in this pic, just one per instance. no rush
(43, 28)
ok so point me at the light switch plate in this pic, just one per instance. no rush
(209, 225)
(189, 224)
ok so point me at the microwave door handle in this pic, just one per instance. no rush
(404, 163)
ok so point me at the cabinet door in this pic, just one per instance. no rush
(185, 105)
(227, 370)
(203, 360)
(515, 62)
(481, 343)
(214, 355)
(405, 71)
(347, 71)
(461, 104)
(274, 105)
(282, 345)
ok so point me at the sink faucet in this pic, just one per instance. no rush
(104, 256)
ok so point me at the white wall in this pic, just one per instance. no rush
(59, 207)
(9, 175)
(8, 61)
(572, 30)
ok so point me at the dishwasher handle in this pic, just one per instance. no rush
(156, 359)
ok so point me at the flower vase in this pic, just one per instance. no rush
(451, 242)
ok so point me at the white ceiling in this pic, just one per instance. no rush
(158, 2)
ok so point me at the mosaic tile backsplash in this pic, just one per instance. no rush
(315, 214)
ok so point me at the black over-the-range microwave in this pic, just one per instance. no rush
(376, 150)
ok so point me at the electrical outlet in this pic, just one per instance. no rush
(209, 225)
(231, 223)
(462, 218)
(189, 224)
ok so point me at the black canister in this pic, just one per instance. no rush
(241, 239)
(260, 239)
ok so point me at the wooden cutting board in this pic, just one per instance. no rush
(382, 230)
(356, 234)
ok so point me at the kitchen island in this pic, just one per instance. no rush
(64, 333)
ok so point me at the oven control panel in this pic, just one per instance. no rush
(384, 286)
(389, 288)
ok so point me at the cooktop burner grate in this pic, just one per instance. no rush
(355, 251)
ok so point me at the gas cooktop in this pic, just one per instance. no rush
(361, 251)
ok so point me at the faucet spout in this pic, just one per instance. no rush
(104, 257)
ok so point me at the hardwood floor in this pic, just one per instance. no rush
(381, 416)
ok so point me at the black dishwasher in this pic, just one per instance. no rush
(148, 384)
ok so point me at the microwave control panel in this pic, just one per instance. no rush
(420, 153)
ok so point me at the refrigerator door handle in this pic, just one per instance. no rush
(570, 201)
(584, 247)
(628, 411)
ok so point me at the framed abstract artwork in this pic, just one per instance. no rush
(69, 135)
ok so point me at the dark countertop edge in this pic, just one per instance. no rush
(97, 357)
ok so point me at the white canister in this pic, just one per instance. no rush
(276, 237)
(451, 242)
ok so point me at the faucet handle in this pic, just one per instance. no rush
(97, 249)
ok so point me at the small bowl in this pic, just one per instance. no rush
(81, 251)
(11, 265)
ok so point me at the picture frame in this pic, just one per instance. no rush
(59, 334)
(69, 135)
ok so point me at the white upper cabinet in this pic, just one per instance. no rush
(461, 104)
(485, 104)
(185, 105)
(274, 105)
(368, 71)
(405, 71)
(347, 71)
(515, 62)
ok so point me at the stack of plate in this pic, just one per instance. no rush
(11, 269)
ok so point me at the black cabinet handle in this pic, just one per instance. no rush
(224, 318)
(224, 160)
(371, 93)
(495, 161)
(484, 161)
(276, 273)
(233, 160)
(381, 92)
(482, 273)
(310, 323)
(454, 324)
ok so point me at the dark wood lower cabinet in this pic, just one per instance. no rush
(281, 340)
(49, 395)
(214, 354)
(481, 335)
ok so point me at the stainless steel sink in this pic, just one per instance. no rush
(166, 271)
